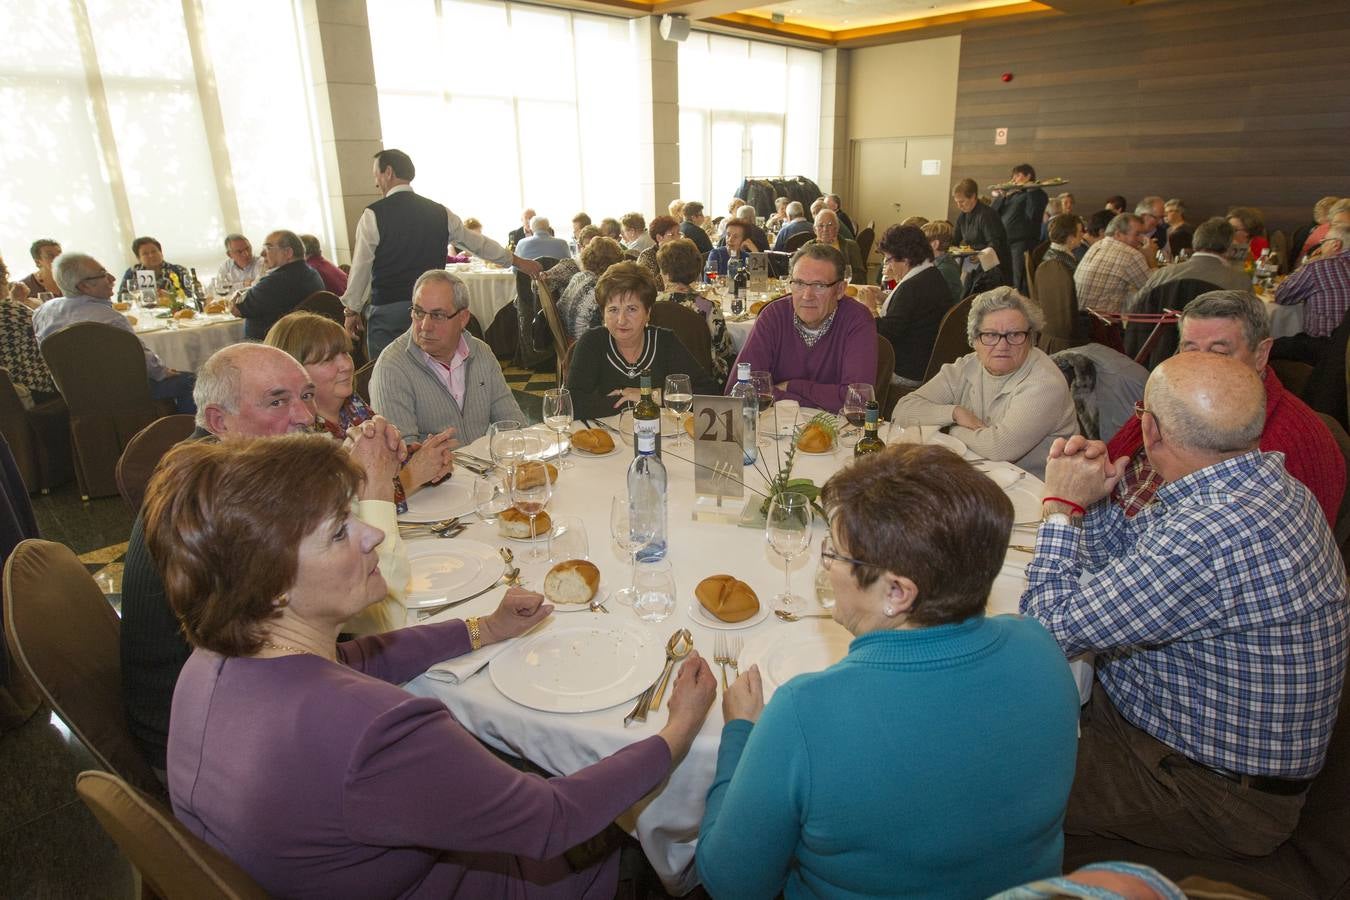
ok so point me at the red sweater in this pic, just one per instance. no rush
(1292, 428)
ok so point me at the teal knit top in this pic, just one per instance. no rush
(927, 763)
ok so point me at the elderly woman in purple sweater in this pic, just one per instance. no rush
(819, 343)
(302, 759)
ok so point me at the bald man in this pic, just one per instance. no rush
(243, 391)
(1217, 616)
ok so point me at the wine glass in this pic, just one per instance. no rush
(569, 540)
(787, 528)
(631, 532)
(499, 443)
(848, 274)
(679, 399)
(558, 416)
(654, 582)
(856, 399)
(531, 489)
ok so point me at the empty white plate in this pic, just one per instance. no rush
(443, 501)
(566, 668)
(785, 652)
(444, 571)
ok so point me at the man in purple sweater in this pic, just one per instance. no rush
(821, 342)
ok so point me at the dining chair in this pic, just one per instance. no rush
(361, 381)
(530, 352)
(172, 861)
(865, 239)
(951, 343)
(1173, 295)
(100, 372)
(1037, 256)
(1279, 245)
(65, 636)
(19, 697)
(555, 328)
(885, 369)
(39, 437)
(143, 453)
(690, 327)
(799, 240)
(1057, 299)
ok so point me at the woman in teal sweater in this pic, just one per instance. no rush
(935, 759)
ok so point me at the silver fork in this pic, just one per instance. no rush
(734, 652)
(721, 657)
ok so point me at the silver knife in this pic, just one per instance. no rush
(507, 578)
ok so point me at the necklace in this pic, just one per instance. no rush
(286, 648)
(645, 358)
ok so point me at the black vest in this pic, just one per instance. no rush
(414, 235)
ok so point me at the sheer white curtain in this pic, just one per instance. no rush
(106, 137)
(503, 105)
(746, 108)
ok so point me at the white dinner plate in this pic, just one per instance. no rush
(700, 616)
(1003, 474)
(599, 662)
(940, 439)
(1026, 501)
(446, 571)
(453, 497)
(796, 648)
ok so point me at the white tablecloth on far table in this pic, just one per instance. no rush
(489, 289)
(667, 823)
(1285, 320)
(187, 344)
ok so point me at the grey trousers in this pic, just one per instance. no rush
(1130, 785)
(384, 323)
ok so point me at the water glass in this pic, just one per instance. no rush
(824, 590)
(569, 540)
(654, 583)
(491, 496)
(631, 533)
(787, 529)
(678, 397)
(499, 443)
(785, 417)
(558, 417)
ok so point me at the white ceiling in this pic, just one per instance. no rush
(835, 15)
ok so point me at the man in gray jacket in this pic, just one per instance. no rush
(1207, 263)
(436, 375)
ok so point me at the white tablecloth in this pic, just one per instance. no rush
(186, 345)
(1285, 320)
(489, 289)
(667, 823)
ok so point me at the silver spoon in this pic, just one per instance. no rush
(793, 617)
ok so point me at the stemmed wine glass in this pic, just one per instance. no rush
(848, 274)
(531, 489)
(678, 397)
(787, 528)
(855, 406)
(558, 416)
(631, 532)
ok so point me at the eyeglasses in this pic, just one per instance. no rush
(438, 316)
(1014, 338)
(814, 287)
(1140, 409)
(97, 277)
(828, 556)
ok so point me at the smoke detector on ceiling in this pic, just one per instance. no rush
(778, 18)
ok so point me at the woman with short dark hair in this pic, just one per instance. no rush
(911, 316)
(149, 255)
(935, 759)
(301, 758)
(578, 307)
(608, 362)
(681, 267)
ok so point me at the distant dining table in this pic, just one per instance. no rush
(490, 288)
(558, 696)
(184, 344)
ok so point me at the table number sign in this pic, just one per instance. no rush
(758, 267)
(718, 470)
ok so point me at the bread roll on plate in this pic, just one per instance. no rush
(572, 582)
(593, 440)
(534, 474)
(726, 598)
(515, 524)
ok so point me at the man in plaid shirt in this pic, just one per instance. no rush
(1114, 268)
(1217, 616)
(1324, 285)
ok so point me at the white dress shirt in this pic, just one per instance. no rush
(368, 238)
(231, 276)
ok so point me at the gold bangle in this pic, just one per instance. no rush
(475, 636)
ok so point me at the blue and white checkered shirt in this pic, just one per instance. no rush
(1218, 614)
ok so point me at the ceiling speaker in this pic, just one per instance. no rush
(674, 27)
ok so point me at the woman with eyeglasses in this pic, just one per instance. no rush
(1007, 400)
(935, 758)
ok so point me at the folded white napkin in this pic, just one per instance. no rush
(461, 668)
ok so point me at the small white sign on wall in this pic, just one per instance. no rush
(930, 167)
(1000, 136)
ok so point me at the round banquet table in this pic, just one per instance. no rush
(1284, 320)
(185, 345)
(489, 289)
(667, 822)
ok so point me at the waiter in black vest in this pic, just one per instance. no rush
(399, 237)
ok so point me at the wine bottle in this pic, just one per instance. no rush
(647, 417)
(869, 442)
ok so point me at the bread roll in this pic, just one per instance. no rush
(593, 440)
(814, 439)
(121, 307)
(533, 475)
(185, 314)
(515, 524)
(726, 598)
(758, 306)
(572, 582)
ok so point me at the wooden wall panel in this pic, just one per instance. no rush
(1219, 102)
